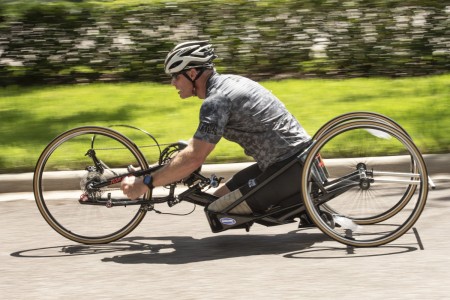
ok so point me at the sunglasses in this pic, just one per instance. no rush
(174, 76)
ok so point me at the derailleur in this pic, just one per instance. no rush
(87, 182)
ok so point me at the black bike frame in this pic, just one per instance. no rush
(224, 220)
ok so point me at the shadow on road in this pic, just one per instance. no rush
(186, 249)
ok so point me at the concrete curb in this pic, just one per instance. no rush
(16, 183)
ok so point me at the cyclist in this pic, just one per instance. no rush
(242, 111)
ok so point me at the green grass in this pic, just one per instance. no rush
(31, 117)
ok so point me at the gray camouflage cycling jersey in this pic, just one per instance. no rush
(243, 111)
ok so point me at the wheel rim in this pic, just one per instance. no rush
(401, 219)
(89, 224)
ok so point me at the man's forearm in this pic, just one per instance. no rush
(178, 168)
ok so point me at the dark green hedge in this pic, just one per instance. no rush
(79, 41)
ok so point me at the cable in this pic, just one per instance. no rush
(163, 213)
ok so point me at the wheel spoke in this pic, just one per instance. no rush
(376, 181)
(83, 212)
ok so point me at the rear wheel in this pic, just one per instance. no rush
(370, 116)
(373, 195)
(64, 185)
(357, 116)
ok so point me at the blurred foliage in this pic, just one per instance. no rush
(30, 117)
(84, 41)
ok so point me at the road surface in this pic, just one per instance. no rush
(173, 257)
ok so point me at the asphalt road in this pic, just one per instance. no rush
(174, 257)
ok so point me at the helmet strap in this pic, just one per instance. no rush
(199, 73)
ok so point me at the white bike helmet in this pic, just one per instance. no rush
(188, 55)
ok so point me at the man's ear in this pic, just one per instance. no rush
(192, 73)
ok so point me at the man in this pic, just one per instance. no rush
(240, 110)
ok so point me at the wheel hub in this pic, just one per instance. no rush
(364, 181)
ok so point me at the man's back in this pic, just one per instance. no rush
(243, 111)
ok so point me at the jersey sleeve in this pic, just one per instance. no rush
(214, 115)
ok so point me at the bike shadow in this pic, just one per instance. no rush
(186, 249)
(175, 250)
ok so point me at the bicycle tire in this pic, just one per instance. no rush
(368, 235)
(77, 220)
(357, 115)
(365, 115)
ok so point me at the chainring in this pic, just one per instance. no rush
(88, 180)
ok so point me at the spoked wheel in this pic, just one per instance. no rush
(65, 189)
(376, 117)
(376, 194)
(357, 116)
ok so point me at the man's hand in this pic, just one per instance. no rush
(133, 187)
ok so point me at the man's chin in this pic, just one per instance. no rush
(182, 96)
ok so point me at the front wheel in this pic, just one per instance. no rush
(373, 183)
(65, 181)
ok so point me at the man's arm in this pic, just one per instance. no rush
(187, 161)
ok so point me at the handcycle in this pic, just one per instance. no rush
(364, 183)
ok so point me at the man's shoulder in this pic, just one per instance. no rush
(225, 81)
(229, 87)
(217, 88)
(216, 100)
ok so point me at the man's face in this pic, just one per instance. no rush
(183, 85)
